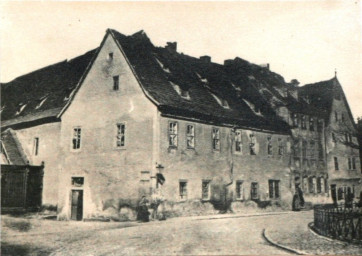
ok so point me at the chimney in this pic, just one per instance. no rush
(228, 62)
(205, 59)
(171, 46)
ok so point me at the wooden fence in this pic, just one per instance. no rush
(339, 221)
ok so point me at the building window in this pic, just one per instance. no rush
(295, 120)
(254, 190)
(36, 146)
(353, 163)
(116, 83)
(320, 149)
(238, 143)
(320, 125)
(172, 134)
(334, 137)
(349, 163)
(252, 144)
(304, 149)
(336, 116)
(77, 181)
(342, 117)
(336, 164)
(280, 147)
(311, 123)
(239, 190)
(312, 149)
(190, 136)
(183, 190)
(216, 139)
(205, 190)
(110, 56)
(304, 122)
(274, 189)
(296, 148)
(121, 135)
(269, 146)
(76, 137)
(319, 185)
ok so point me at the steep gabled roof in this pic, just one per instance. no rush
(158, 69)
(43, 93)
(12, 148)
(322, 94)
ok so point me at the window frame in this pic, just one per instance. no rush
(188, 135)
(252, 149)
(269, 146)
(311, 123)
(124, 135)
(169, 134)
(336, 165)
(77, 149)
(274, 189)
(303, 119)
(239, 190)
(280, 147)
(116, 83)
(254, 196)
(36, 146)
(207, 182)
(238, 143)
(216, 138)
(183, 194)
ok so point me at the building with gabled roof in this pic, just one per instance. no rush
(109, 122)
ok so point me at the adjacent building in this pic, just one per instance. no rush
(128, 117)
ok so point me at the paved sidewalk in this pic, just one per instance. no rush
(295, 235)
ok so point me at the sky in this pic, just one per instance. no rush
(304, 40)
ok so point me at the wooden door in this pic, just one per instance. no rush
(77, 205)
(13, 189)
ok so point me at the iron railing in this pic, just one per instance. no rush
(343, 222)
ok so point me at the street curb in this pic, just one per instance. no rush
(324, 237)
(213, 217)
(269, 240)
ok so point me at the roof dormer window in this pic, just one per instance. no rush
(183, 93)
(222, 102)
(41, 102)
(20, 109)
(163, 66)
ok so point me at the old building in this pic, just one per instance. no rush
(342, 148)
(109, 122)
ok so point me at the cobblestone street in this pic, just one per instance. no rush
(211, 235)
